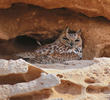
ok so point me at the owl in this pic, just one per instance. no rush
(67, 47)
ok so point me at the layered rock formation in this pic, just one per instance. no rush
(80, 80)
(22, 24)
(90, 8)
(20, 78)
(43, 24)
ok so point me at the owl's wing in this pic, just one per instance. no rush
(26, 55)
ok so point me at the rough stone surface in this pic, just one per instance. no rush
(43, 24)
(90, 8)
(13, 67)
(19, 82)
(43, 82)
(80, 80)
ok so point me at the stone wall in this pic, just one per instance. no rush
(90, 8)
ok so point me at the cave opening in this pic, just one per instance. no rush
(30, 42)
(46, 25)
(25, 41)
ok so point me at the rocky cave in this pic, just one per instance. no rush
(24, 22)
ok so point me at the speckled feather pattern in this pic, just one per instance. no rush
(67, 47)
(52, 53)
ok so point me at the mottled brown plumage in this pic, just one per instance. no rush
(67, 47)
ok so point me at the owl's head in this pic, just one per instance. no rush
(71, 38)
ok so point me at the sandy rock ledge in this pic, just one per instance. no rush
(27, 85)
(81, 80)
(71, 80)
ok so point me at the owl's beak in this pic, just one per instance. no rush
(71, 44)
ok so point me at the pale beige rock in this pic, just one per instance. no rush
(81, 80)
(45, 81)
(13, 67)
(18, 77)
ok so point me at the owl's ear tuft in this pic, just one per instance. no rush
(67, 29)
(78, 32)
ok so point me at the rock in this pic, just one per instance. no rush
(18, 77)
(89, 8)
(43, 24)
(81, 80)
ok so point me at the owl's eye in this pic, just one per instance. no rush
(77, 40)
(65, 38)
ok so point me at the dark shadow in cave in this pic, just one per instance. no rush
(28, 42)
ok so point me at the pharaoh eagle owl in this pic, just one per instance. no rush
(67, 47)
